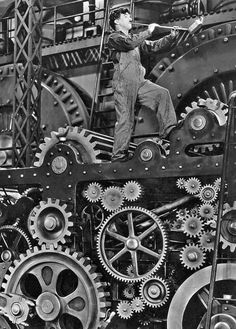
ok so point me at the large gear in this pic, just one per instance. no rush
(122, 241)
(192, 256)
(93, 192)
(124, 310)
(132, 191)
(189, 305)
(76, 138)
(49, 222)
(192, 226)
(192, 185)
(13, 242)
(208, 194)
(154, 291)
(112, 198)
(66, 289)
(228, 229)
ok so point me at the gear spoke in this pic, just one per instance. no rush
(118, 255)
(203, 296)
(131, 225)
(116, 236)
(74, 294)
(16, 241)
(149, 252)
(134, 262)
(4, 240)
(147, 232)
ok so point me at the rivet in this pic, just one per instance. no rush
(84, 172)
(195, 81)
(70, 173)
(22, 175)
(48, 174)
(179, 95)
(196, 50)
(51, 154)
(163, 167)
(216, 70)
(187, 44)
(69, 199)
(47, 187)
(114, 170)
(193, 137)
(59, 150)
(64, 90)
(198, 166)
(178, 139)
(71, 162)
(130, 169)
(171, 69)
(146, 169)
(217, 164)
(226, 39)
(203, 36)
(219, 31)
(34, 174)
(69, 186)
(67, 153)
(55, 103)
(55, 82)
(180, 167)
(71, 101)
(161, 67)
(177, 152)
(99, 171)
(9, 176)
(173, 55)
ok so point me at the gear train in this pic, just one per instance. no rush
(89, 244)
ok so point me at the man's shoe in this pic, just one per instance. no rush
(122, 158)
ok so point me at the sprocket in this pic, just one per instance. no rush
(137, 305)
(193, 226)
(93, 192)
(112, 198)
(62, 282)
(207, 210)
(124, 310)
(49, 222)
(192, 256)
(193, 185)
(122, 241)
(208, 194)
(132, 191)
(154, 291)
(181, 183)
(207, 240)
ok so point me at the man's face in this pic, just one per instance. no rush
(124, 21)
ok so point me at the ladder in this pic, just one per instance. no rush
(228, 174)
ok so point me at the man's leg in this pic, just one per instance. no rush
(125, 95)
(158, 99)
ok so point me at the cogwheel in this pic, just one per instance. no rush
(59, 270)
(207, 240)
(93, 192)
(129, 291)
(13, 242)
(207, 211)
(192, 226)
(49, 222)
(124, 310)
(112, 198)
(122, 242)
(192, 185)
(188, 109)
(208, 194)
(217, 184)
(154, 291)
(178, 225)
(137, 305)
(76, 138)
(182, 213)
(130, 270)
(132, 191)
(218, 108)
(181, 183)
(228, 228)
(192, 256)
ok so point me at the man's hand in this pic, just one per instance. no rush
(151, 27)
(174, 31)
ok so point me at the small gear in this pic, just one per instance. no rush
(208, 194)
(112, 198)
(192, 226)
(49, 222)
(137, 305)
(132, 191)
(217, 184)
(93, 192)
(207, 211)
(181, 183)
(194, 211)
(124, 310)
(154, 291)
(178, 225)
(192, 185)
(129, 291)
(182, 213)
(207, 240)
(228, 228)
(130, 270)
(192, 256)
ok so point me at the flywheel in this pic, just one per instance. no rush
(65, 289)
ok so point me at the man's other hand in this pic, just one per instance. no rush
(152, 27)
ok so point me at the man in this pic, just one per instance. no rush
(129, 84)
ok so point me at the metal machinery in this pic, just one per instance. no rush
(86, 243)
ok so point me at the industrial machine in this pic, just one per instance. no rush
(86, 243)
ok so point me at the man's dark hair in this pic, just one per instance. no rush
(115, 14)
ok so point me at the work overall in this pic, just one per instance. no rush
(130, 86)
